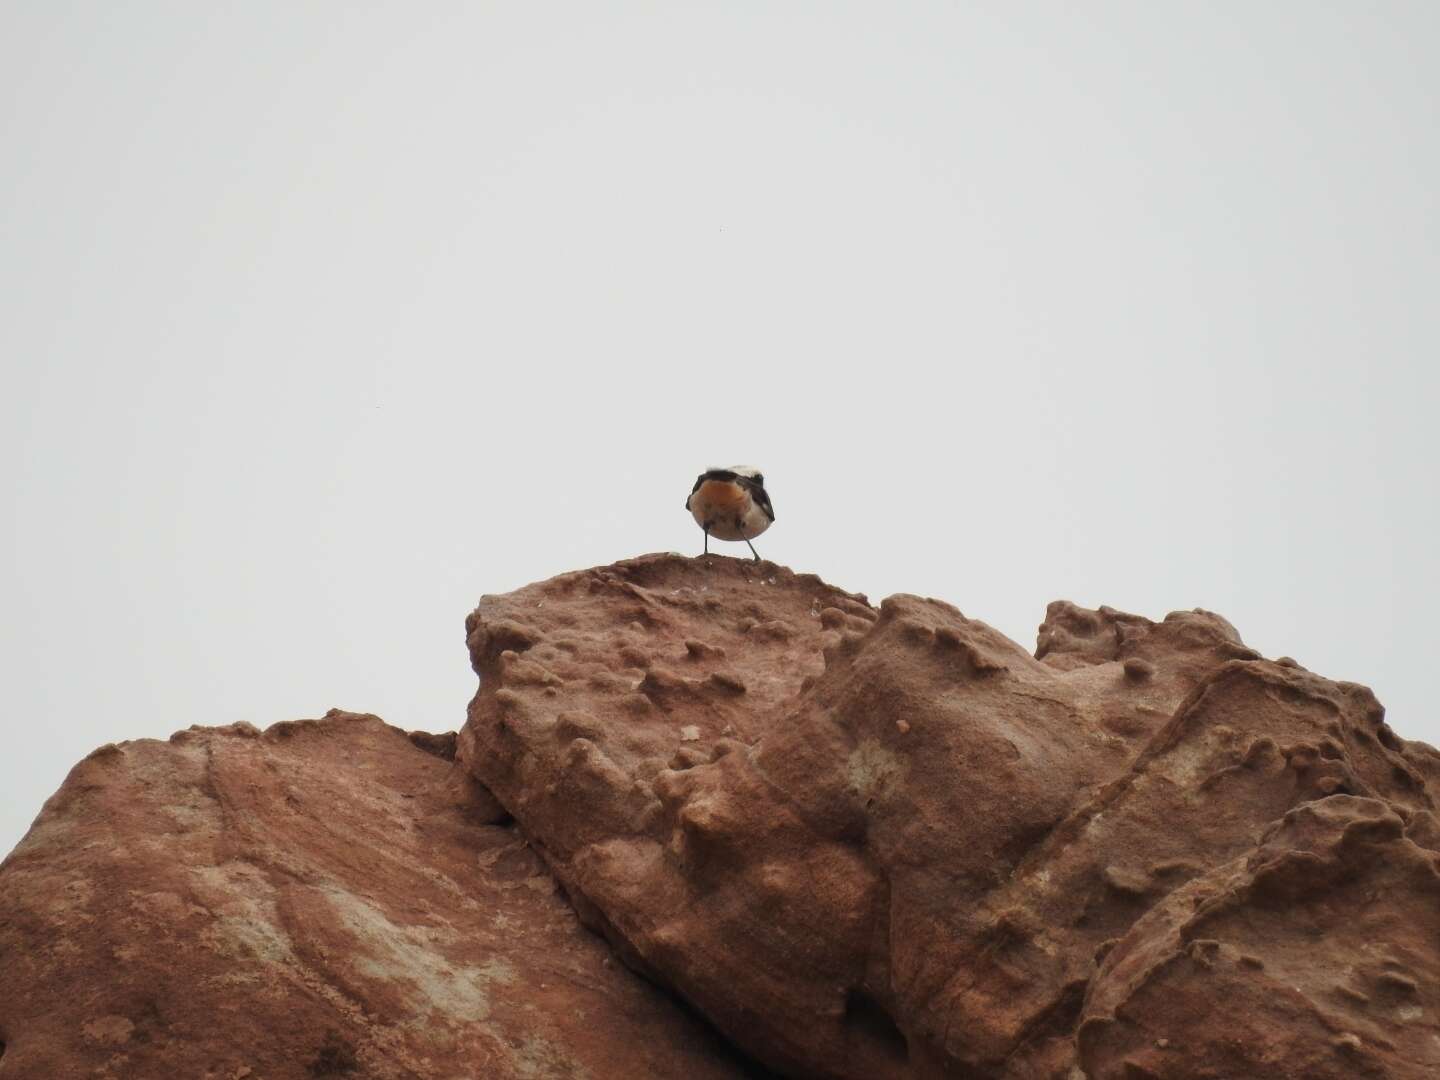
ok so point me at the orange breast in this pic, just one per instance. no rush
(722, 494)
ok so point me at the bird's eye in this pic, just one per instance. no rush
(759, 479)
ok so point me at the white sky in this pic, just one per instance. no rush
(319, 320)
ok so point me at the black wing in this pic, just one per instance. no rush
(698, 481)
(758, 493)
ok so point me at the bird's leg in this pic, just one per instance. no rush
(707, 541)
(752, 549)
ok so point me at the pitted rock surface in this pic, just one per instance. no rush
(1312, 955)
(872, 843)
(328, 898)
(860, 842)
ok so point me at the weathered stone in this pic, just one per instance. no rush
(927, 840)
(864, 843)
(323, 899)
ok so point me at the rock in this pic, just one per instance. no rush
(329, 898)
(930, 839)
(1285, 962)
(861, 842)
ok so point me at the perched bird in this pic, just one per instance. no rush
(731, 504)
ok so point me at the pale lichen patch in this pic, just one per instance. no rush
(408, 954)
(111, 1030)
(871, 768)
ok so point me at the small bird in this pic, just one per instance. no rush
(731, 504)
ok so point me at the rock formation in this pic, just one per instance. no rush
(328, 898)
(881, 843)
(859, 842)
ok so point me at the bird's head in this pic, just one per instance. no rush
(749, 472)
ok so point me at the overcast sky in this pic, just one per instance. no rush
(319, 320)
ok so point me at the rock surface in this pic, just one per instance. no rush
(329, 898)
(1315, 950)
(860, 842)
(876, 843)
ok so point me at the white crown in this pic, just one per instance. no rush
(750, 472)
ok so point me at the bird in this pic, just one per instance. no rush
(731, 504)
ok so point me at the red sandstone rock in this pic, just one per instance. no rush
(892, 843)
(1312, 957)
(864, 843)
(327, 899)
